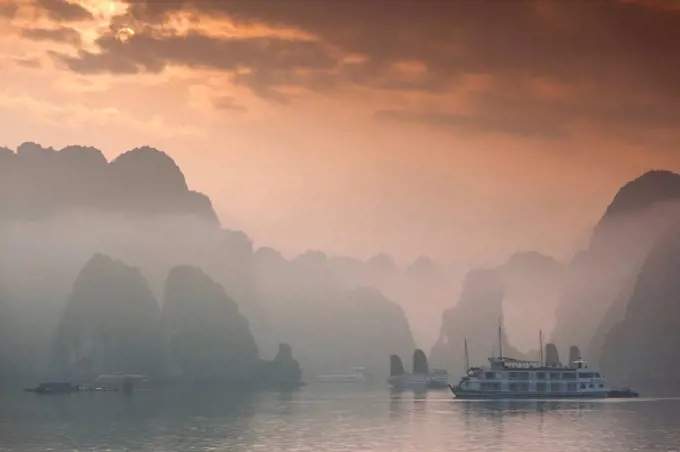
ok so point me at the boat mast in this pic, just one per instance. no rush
(500, 339)
(540, 341)
(467, 358)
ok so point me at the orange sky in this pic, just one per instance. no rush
(461, 130)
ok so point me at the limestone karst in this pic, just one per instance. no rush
(112, 323)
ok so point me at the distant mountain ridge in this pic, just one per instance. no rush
(36, 182)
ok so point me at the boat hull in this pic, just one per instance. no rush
(479, 395)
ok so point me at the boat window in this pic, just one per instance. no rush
(601, 385)
(571, 386)
(591, 386)
(490, 375)
(540, 375)
(586, 375)
(541, 387)
(555, 387)
(554, 375)
(512, 376)
(524, 387)
(569, 375)
(523, 375)
(597, 375)
(583, 386)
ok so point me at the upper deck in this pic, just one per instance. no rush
(505, 363)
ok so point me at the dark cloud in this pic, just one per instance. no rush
(29, 62)
(8, 10)
(153, 54)
(64, 11)
(509, 125)
(61, 34)
(228, 103)
(624, 53)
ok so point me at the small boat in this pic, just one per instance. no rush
(439, 379)
(421, 378)
(54, 388)
(356, 375)
(622, 393)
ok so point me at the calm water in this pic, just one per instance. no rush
(325, 419)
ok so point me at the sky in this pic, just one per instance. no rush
(463, 130)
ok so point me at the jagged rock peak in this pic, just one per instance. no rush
(423, 266)
(531, 259)
(640, 193)
(396, 366)
(574, 354)
(552, 356)
(382, 262)
(150, 168)
(420, 366)
(285, 353)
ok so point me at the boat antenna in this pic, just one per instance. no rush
(540, 341)
(467, 358)
(500, 339)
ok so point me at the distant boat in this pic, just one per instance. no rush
(439, 379)
(421, 378)
(356, 375)
(67, 388)
(54, 388)
(622, 393)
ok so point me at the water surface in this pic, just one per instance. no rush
(327, 418)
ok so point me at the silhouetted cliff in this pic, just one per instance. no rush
(600, 280)
(112, 323)
(207, 336)
(643, 346)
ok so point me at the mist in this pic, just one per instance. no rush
(335, 312)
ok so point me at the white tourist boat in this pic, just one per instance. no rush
(507, 378)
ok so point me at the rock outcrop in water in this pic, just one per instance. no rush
(420, 366)
(283, 372)
(396, 366)
(112, 323)
(552, 356)
(207, 337)
(574, 354)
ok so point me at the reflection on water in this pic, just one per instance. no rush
(329, 418)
